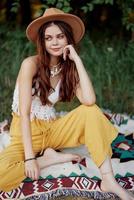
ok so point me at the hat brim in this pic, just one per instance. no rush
(74, 21)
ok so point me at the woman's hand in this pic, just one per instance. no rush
(32, 169)
(70, 52)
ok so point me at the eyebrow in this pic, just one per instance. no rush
(57, 34)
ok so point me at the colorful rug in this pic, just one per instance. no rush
(80, 179)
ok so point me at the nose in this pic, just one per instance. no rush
(55, 41)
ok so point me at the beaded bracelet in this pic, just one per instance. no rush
(29, 159)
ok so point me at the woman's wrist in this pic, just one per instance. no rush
(77, 60)
(29, 153)
(33, 158)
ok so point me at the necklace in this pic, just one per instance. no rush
(55, 71)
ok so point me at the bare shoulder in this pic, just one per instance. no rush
(28, 66)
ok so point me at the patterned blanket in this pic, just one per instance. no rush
(80, 179)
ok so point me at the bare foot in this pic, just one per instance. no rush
(114, 187)
(51, 157)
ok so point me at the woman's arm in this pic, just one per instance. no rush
(85, 91)
(27, 71)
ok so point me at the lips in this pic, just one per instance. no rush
(56, 49)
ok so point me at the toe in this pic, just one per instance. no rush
(77, 158)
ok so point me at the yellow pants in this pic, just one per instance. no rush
(83, 125)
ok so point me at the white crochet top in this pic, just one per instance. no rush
(39, 111)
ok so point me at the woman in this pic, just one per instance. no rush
(56, 73)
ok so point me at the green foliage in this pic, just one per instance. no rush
(110, 65)
(128, 14)
(15, 6)
(64, 5)
(90, 6)
(126, 7)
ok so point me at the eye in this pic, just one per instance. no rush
(61, 36)
(48, 38)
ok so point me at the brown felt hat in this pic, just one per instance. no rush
(54, 14)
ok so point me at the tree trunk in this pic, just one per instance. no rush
(132, 36)
(25, 10)
(10, 16)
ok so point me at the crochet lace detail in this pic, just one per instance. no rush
(39, 111)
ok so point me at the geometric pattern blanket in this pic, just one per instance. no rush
(80, 179)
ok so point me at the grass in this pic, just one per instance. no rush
(109, 64)
(14, 47)
(111, 68)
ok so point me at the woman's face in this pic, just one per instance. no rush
(55, 40)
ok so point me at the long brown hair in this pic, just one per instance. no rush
(69, 79)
